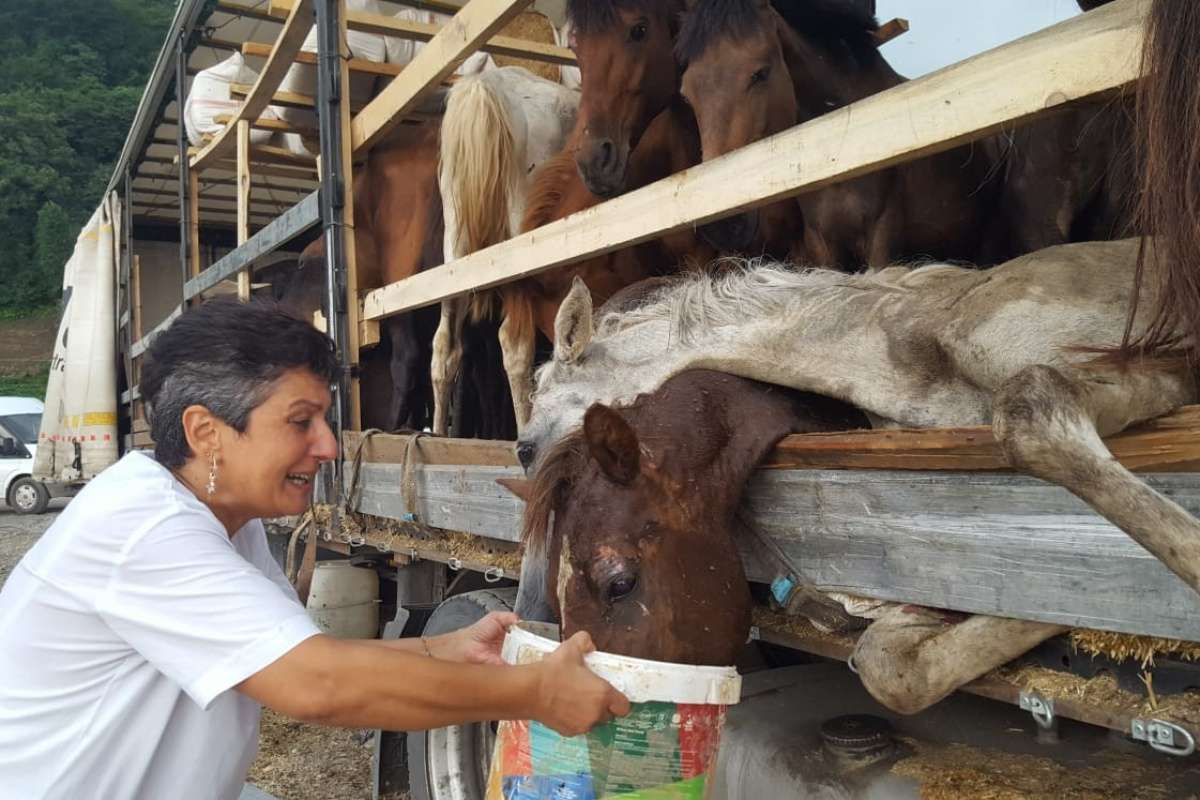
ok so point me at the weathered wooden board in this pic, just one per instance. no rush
(1094, 52)
(981, 542)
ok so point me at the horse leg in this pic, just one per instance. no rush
(912, 657)
(446, 361)
(1050, 425)
(518, 340)
(406, 353)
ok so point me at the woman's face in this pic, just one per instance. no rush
(269, 470)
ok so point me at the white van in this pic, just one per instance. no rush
(20, 419)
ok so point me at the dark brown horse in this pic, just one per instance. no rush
(624, 48)
(753, 69)
(643, 550)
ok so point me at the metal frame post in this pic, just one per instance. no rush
(334, 183)
(181, 141)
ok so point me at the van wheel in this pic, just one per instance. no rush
(452, 763)
(27, 496)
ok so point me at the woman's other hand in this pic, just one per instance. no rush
(573, 699)
(476, 644)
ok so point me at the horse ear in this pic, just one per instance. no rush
(612, 443)
(573, 323)
(521, 487)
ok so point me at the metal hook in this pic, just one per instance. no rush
(493, 574)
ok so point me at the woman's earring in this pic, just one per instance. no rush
(212, 474)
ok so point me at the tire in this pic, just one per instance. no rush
(451, 763)
(27, 496)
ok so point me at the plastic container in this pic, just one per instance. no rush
(344, 600)
(664, 750)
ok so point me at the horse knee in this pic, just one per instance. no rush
(889, 661)
(1041, 422)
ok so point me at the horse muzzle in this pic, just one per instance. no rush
(601, 162)
(733, 234)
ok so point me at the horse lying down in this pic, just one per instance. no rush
(933, 346)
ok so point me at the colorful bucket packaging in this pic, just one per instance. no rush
(664, 750)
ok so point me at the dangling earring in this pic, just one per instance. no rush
(212, 474)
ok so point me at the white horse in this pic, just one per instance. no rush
(1014, 347)
(498, 128)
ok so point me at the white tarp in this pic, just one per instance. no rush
(78, 437)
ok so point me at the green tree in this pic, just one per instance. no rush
(53, 244)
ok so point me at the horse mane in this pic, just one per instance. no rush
(827, 23)
(1168, 154)
(556, 474)
(592, 16)
(546, 192)
(696, 303)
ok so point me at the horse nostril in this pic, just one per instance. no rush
(525, 453)
(607, 153)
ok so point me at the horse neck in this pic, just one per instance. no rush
(824, 81)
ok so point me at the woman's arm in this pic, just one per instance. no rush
(359, 684)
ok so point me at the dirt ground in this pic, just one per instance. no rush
(26, 345)
(295, 761)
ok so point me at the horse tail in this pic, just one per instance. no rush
(478, 171)
(1168, 156)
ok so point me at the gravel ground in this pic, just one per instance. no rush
(295, 761)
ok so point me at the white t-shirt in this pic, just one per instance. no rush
(121, 634)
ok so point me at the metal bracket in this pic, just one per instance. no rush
(1165, 737)
(1040, 708)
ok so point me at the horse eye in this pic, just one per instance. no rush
(638, 32)
(621, 587)
(760, 76)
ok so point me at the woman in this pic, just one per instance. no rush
(142, 633)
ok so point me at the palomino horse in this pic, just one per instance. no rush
(498, 128)
(753, 69)
(643, 553)
(930, 347)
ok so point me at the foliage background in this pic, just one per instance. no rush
(71, 75)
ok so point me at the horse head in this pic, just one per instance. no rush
(628, 76)
(641, 552)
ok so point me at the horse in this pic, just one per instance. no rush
(628, 76)
(498, 128)
(754, 68)
(643, 553)
(1023, 347)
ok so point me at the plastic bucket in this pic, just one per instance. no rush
(664, 750)
(344, 600)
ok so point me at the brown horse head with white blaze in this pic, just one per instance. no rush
(629, 75)
(642, 551)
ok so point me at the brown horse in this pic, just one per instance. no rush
(754, 69)
(643, 552)
(628, 76)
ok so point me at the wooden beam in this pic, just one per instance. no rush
(254, 11)
(474, 24)
(272, 154)
(194, 227)
(274, 171)
(431, 450)
(266, 124)
(243, 202)
(360, 65)
(279, 231)
(295, 29)
(424, 32)
(135, 284)
(890, 30)
(1091, 53)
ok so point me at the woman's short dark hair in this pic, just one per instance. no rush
(225, 356)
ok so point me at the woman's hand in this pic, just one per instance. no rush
(476, 644)
(573, 699)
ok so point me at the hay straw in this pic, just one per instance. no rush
(532, 26)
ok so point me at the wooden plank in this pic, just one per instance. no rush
(360, 65)
(890, 30)
(304, 176)
(243, 203)
(433, 450)
(424, 32)
(280, 230)
(283, 98)
(139, 347)
(1094, 52)
(469, 28)
(135, 283)
(275, 155)
(194, 222)
(249, 11)
(266, 124)
(1167, 444)
(981, 542)
(295, 29)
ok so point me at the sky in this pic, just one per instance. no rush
(945, 31)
